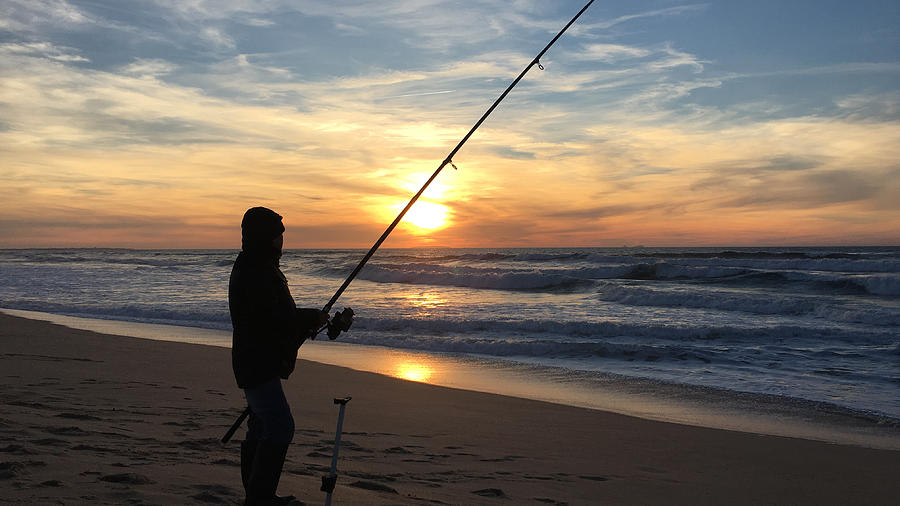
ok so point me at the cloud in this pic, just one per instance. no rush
(435, 24)
(871, 106)
(674, 58)
(256, 22)
(38, 19)
(422, 94)
(217, 37)
(594, 212)
(149, 68)
(805, 191)
(31, 15)
(508, 152)
(838, 68)
(41, 49)
(669, 11)
(644, 77)
(611, 52)
(219, 9)
(351, 30)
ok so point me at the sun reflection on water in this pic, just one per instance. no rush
(414, 371)
(424, 302)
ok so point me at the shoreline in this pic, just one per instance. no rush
(111, 419)
(647, 399)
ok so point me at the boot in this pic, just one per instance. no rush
(248, 452)
(268, 460)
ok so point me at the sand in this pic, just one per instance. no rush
(100, 419)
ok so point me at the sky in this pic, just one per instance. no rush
(156, 124)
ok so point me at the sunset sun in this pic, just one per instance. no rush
(427, 215)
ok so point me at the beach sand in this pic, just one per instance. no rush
(89, 418)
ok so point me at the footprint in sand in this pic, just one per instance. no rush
(15, 449)
(127, 478)
(200, 444)
(213, 494)
(370, 485)
(50, 441)
(77, 416)
(551, 501)
(490, 492)
(67, 431)
(299, 472)
(371, 477)
(10, 470)
(508, 458)
(89, 448)
(25, 404)
(539, 478)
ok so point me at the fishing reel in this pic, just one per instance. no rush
(340, 322)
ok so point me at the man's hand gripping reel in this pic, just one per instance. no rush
(340, 322)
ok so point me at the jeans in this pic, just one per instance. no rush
(270, 415)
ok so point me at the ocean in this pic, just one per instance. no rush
(803, 325)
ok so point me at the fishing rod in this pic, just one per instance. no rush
(342, 320)
(449, 161)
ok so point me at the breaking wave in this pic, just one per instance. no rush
(583, 278)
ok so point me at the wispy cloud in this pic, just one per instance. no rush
(669, 11)
(32, 15)
(610, 52)
(149, 68)
(41, 49)
(423, 94)
(838, 68)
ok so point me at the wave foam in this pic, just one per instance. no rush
(749, 302)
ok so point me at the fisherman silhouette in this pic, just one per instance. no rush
(268, 331)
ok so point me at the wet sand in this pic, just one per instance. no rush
(93, 418)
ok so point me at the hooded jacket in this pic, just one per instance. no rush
(268, 326)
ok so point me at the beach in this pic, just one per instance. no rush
(101, 419)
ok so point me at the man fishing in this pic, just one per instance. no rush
(268, 331)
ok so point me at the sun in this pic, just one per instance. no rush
(427, 215)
